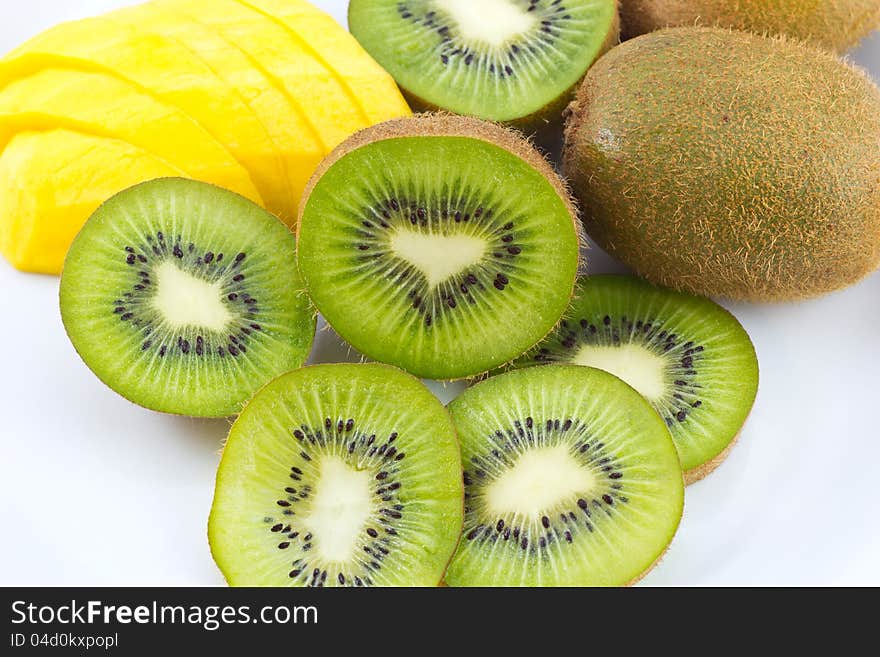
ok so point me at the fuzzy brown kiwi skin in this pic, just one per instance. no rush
(550, 117)
(835, 25)
(699, 473)
(441, 124)
(653, 210)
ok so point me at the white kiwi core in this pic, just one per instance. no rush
(494, 22)
(339, 511)
(438, 257)
(186, 300)
(640, 368)
(540, 480)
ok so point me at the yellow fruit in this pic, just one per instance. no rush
(174, 75)
(365, 81)
(246, 94)
(46, 207)
(297, 141)
(287, 58)
(99, 104)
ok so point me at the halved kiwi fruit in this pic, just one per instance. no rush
(571, 479)
(338, 475)
(444, 245)
(688, 356)
(503, 60)
(185, 298)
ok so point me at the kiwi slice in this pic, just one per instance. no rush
(688, 356)
(504, 60)
(185, 298)
(338, 475)
(444, 245)
(571, 479)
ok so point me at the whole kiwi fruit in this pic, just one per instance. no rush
(729, 164)
(834, 24)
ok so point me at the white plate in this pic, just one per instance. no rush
(97, 491)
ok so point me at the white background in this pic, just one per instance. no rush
(97, 491)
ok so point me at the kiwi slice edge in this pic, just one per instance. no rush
(521, 77)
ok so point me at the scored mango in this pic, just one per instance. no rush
(377, 95)
(99, 104)
(297, 144)
(246, 94)
(289, 61)
(172, 74)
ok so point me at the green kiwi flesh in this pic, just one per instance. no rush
(688, 356)
(502, 60)
(728, 164)
(571, 479)
(185, 298)
(338, 475)
(444, 245)
(834, 24)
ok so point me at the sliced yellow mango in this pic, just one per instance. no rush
(174, 75)
(246, 94)
(372, 87)
(100, 104)
(299, 143)
(287, 59)
(45, 203)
